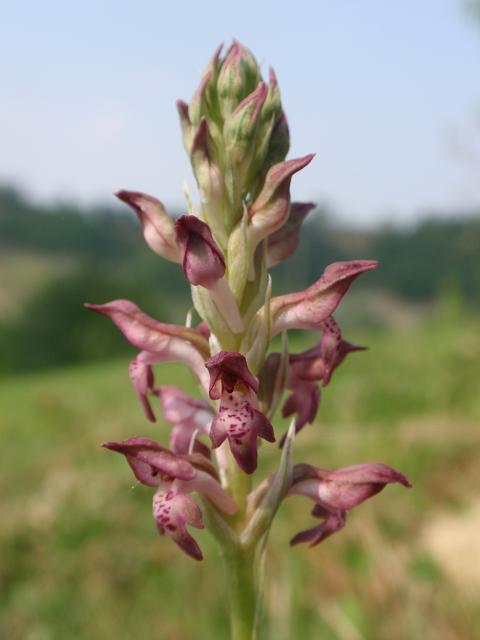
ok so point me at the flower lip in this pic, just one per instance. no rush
(229, 368)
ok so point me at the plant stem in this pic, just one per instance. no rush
(243, 573)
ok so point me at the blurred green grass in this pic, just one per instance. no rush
(80, 557)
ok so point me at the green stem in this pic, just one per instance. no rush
(243, 570)
(239, 485)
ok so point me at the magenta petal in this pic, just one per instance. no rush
(172, 512)
(226, 369)
(309, 308)
(152, 463)
(333, 522)
(203, 262)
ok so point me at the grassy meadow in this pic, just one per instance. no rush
(79, 553)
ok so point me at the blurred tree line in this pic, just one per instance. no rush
(98, 254)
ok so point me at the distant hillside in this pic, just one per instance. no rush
(52, 259)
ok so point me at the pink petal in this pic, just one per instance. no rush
(270, 210)
(162, 342)
(333, 522)
(348, 487)
(157, 226)
(208, 486)
(178, 406)
(150, 462)
(141, 375)
(309, 308)
(172, 512)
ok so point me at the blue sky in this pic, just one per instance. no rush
(386, 92)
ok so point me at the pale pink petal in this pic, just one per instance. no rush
(172, 512)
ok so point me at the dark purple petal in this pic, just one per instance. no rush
(308, 309)
(203, 262)
(282, 243)
(333, 522)
(151, 463)
(172, 512)
(303, 401)
(227, 369)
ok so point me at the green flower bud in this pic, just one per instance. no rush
(240, 132)
(238, 77)
(204, 98)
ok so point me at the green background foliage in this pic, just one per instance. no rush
(79, 554)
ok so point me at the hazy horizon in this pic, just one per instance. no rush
(385, 95)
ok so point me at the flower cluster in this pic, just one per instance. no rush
(237, 138)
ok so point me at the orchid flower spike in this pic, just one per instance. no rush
(236, 136)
